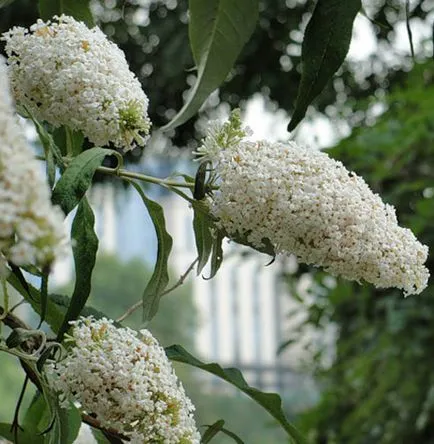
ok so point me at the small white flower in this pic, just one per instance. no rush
(68, 74)
(31, 228)
(126, 381)
(308, 204)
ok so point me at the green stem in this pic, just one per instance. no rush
(44, 294)
(5, 299)
(18, 354)
(69, 143)
(121, 172)
(144, 178)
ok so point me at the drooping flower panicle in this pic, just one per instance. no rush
(308, 204)
(126, 382)
(31, 228)
(68, 74)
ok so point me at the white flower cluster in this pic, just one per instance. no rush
(126, 381)
(308, 204)
(31, 229)
(68, 74)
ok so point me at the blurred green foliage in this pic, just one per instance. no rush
(155, 40)
(380, 387)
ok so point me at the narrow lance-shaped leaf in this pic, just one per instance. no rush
(54, 314)
(232, 435)
(67, 424)
(217, 253)
(44, 414)
(202, 225)
(59, 425)
(51, 150)
(50, 168)
(199, 191)
(325, 46)
(218, 31)
(160, 277)
(269, 401)
(212, 431)
(23, 435)
(216, 428)
(79, 9)
(74, 140)
(4, 3)
(84, 247)
(105, 437)
(57, 305)
(34, 414)
(44, 295)
(77, 178)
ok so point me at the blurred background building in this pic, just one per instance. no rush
(242, 312)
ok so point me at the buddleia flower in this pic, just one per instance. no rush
(31, 228)
(126, 382)
(67, 74)
(303, 202)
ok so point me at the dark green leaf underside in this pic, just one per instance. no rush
(218, 31)
(160, 276)
(79, 9)
(85, 247)
(269, 401)
(325, 46)
(77, 178)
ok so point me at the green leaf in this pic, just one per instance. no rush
(59, 425)
(66, 425)
(232, 435)
(44, 295)
(202, 227)
(212, 431)
(218, 31)
(18, 336)
(32, 269)
(269, 401)
(217, 427)
(85, 247)
(23, 435)
(266, 248)
(59, 138)
(217, 253)
(77, 178)
(52, 152)
(54, 315)
(63, 302)
(41, 413)
(325, 46)
(50, 168)
(199, 191)
(160, 277)
(79, 9)
(99, 437)
(34, 413)
(4, 3)
(74, 140)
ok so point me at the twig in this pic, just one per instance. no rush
(14, 307)
(407, 23)
(11, 320)
(5, 298)
(180, 281)
(15, 424)
(132, 175)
